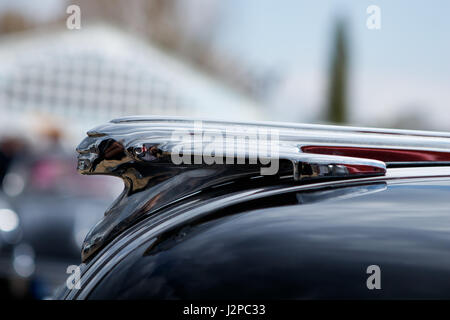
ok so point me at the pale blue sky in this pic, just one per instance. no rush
(402, 69)
(415, 35)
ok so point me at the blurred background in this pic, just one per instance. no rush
(323, 61)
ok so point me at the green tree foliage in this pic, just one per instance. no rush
(337, 95)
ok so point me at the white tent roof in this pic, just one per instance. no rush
(88, 76)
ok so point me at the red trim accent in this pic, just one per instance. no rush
(386, 155)
(363, 169)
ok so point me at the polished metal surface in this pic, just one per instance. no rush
(141, 152)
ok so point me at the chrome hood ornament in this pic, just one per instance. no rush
(162, 160)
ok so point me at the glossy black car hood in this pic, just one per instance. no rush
(308, 244)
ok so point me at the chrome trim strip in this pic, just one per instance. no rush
(303, 126)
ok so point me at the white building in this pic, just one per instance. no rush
(81, 78)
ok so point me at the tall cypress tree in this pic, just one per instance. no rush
(337, 95)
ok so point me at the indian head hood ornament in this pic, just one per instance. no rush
(162, 160)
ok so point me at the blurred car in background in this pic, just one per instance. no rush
(56, 208)
(10, 236)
